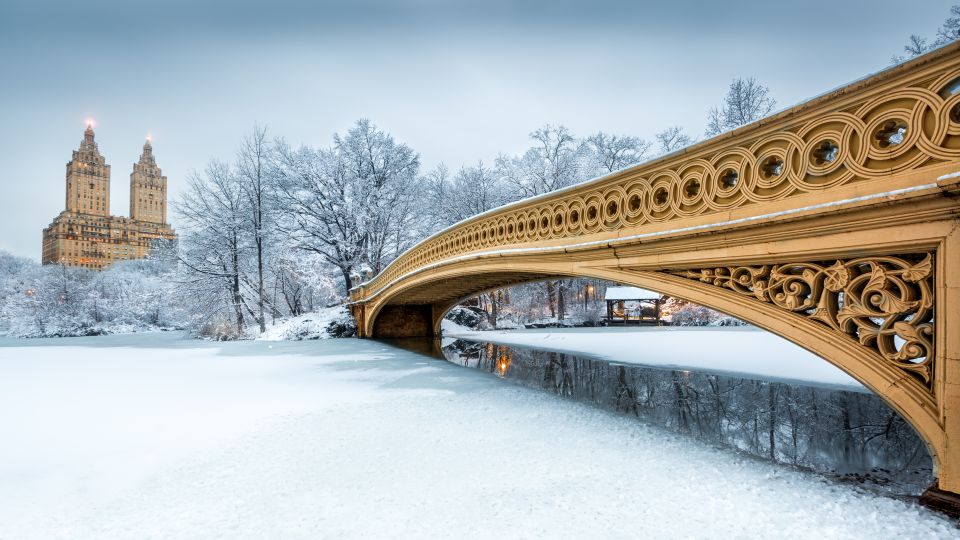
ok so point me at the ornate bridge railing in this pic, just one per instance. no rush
(906, 118)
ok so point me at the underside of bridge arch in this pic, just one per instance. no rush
(418, 310)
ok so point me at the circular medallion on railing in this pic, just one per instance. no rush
(659, 207)
(558, 220)
(613, 208)
(592, 213)
(544, 218)
(501, 230)
(633, 202)
(828, 143)
(771, 178)
(689, 189)
(892, 128)
(511, 227)
(532, 217)
(575, 217)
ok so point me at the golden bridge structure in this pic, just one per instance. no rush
(834, 224)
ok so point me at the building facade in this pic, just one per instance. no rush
(85, 234)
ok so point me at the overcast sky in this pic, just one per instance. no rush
(458, 82)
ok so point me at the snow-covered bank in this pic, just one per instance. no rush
(326, 323)
(152, 436)
(737, 350)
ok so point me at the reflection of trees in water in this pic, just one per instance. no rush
(854, 434)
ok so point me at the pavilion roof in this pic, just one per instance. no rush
(630, 293)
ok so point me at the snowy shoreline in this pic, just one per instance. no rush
(738, 351)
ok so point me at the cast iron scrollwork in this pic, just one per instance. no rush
(886, 303)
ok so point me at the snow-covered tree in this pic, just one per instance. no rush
(614, 152)
(216, 242)
(354, 204)
(128, 296)
(473, 190)
(301, 283)
(555, 161)
(746, 101)
(253, 172)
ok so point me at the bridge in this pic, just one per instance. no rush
(834, 224)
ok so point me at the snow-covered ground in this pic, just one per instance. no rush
(739, 350)
(156, 436)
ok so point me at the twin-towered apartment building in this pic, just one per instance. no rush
(85, 234)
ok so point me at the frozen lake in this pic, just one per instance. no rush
(156, 436)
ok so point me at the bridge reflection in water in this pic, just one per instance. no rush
(849, 435)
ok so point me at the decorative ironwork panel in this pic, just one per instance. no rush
(886, 303)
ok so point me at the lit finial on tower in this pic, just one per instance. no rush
(88, 133)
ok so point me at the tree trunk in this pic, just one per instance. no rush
(235, 286)
(260, 292)
(772, 408)
(552, 297)
(345, 270)
(561, 305)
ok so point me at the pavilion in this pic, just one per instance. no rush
(632, 305)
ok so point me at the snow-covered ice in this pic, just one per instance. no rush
(158, 436)
(734, 350)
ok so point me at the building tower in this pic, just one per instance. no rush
(88, 179)
(148, 189)
(85, 235)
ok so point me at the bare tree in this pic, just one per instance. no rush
(948, 32)
(950, 29)
(615, 152)
(672, 139)
(746, 101)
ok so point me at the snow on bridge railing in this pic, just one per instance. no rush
(902, 119)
